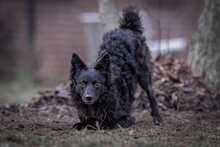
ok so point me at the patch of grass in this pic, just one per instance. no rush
(74, 139)
(17, 92)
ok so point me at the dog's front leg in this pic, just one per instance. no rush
(79, 125)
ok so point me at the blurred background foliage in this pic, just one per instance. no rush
(37, 38)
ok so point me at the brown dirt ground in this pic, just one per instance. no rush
(191, 117)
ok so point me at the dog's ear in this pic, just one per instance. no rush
(103, 63)
(76, 65)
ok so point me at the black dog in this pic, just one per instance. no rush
(103, 94)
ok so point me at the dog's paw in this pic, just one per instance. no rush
(157, 120)
(79, 126)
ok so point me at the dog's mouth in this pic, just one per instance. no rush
(88, 102)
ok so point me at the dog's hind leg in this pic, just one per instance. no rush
(144, 77)
(145, 82)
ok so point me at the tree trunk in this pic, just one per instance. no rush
(204, 57)
(108, 14)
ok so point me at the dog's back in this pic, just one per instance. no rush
(126, 47)
(124, 42)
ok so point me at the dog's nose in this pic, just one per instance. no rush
(88, 98)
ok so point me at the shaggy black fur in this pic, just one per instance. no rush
(124, 60)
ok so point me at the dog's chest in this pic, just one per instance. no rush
(95, 113)
(90, 111)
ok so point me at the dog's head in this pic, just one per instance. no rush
(90, 83)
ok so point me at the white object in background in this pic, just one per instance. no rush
(167, 46)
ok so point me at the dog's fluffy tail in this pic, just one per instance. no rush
(131, 20)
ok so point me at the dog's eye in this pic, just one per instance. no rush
(82, 84)
(97, 85)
